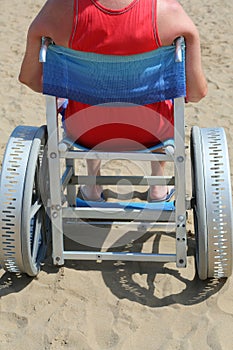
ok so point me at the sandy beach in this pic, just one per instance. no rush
(112, 305)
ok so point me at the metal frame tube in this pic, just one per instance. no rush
(55, 181)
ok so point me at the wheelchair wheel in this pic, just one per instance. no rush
(212, 202)
(23, 220)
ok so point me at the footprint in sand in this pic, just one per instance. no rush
(11, 326)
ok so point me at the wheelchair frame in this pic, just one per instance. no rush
(57, 213)
(28, 214)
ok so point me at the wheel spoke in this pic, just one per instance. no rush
(36, 239)
(35, 208)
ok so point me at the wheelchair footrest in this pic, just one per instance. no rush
(160, 206)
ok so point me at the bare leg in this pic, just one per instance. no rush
(93, 192)
(156, 191)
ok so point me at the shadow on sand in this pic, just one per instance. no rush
(119, 277)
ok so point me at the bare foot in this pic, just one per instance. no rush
(157, 192)
(160, 193)
(91, 193)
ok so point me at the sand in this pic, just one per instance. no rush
(120, 306)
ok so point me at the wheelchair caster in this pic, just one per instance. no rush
(212, 206)
(23, 219)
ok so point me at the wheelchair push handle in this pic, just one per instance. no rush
(179, 42)
(45, 42)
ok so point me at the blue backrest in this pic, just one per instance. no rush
(96, 79)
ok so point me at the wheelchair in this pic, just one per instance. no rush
(38, 202)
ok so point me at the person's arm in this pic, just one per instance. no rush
(172, 23)
(55, 21)
(31, 70)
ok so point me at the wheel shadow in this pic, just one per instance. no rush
(13, 283)
(119, 277)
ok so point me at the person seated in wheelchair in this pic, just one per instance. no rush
(116, 27)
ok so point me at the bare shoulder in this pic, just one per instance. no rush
(54, 20)
(173, 21)
(169, 5)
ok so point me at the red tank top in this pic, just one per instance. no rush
(127, 31)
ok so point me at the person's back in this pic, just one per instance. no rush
(127, 29)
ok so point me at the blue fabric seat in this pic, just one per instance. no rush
(96, 79)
